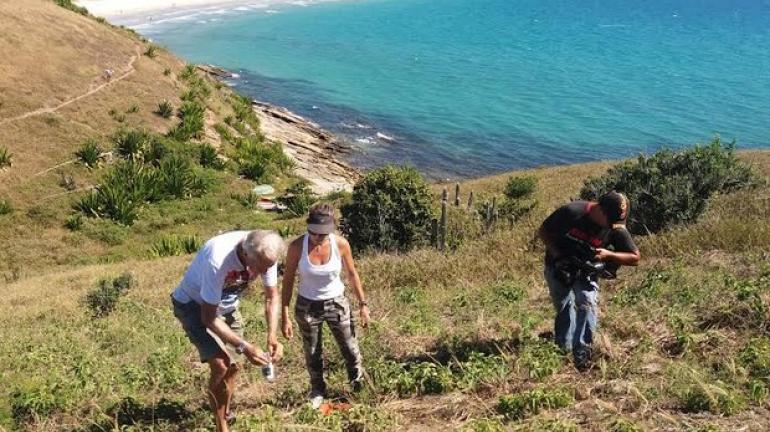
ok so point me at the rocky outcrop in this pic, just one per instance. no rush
(316, 152)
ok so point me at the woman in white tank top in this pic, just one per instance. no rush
(319, 257)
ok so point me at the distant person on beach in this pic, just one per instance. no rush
(319, 257)
(584, 241)
(206, 303)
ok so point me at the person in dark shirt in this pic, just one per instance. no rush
(584, 240)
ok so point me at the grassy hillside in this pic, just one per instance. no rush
(683, 338)
(456, 345)
(55, 95)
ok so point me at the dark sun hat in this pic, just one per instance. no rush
(318, 223)
(615, 206)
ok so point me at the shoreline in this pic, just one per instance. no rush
(316, 152)
(136, 12)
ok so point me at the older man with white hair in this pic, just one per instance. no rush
(206, 303)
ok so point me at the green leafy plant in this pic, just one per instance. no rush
(519, 406)
(173, 245)
(540, 359)
(103, 300)
(5, 207)
(68, 4)
(520, 187)
(191, 114)
(209, 158)
(5, 157)
(152, 51)
(90, 153)
(131, 144)
(298, 198)
(673, 187)
(74, 222)
(165, 109)
(390, 210)
(133, 109)
(260, 161)
(715, 398)
(177, 178)
(188, 72)
(249, 200)
(167, 72)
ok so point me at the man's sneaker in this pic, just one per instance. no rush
(582, 359)
(316, 399)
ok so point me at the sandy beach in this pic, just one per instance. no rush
(131, 12)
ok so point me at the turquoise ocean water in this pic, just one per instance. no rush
(469, 87)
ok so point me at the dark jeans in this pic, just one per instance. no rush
(577, 311)
(336, 313)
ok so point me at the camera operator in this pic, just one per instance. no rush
(584, 241)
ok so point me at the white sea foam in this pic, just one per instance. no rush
(381, 135)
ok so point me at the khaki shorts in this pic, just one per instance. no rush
(207, 343)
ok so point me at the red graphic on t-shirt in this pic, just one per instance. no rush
(237, 280)
(583, 236)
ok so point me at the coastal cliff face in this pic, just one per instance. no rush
(318, 154)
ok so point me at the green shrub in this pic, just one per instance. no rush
(623, 425)
(672, 187)
(412, 379)
(298, 199)
(167, 72)
(131, 144)
(32, 401)
(430, 378)
(249, 200)
(540, 359)
(755, 357)
(209, 158)
(462, 225)
(5, 158)
(260, 161)
(192, 122)
(519, 406)
(520, 187)
(244, 113)
(133, 109)
(5, 207)
(74, 222)
(715, 398)
(67, 4)
(188, 72)
(177, 178)
(152, 51)
(165, 109)
(390, 209)
(90, 153)
(483, 425)
(103, 300)
(359, 418)
(123, 190)
(480, 369)
(173, 245)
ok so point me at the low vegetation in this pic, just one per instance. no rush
(674, 187)
(390, 210)
(5, 158)
(90, 153)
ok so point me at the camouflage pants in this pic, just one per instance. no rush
(336, 313)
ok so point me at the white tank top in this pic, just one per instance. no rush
(320, 282)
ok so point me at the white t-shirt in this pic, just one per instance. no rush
(217, 277)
